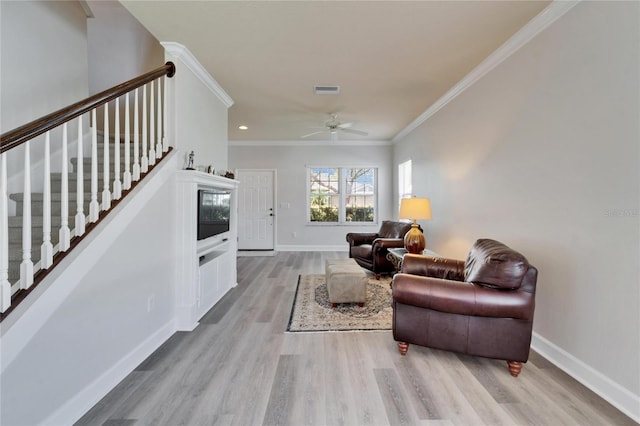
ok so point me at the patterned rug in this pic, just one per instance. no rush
(312, 310)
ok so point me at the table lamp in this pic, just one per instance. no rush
(414, 209)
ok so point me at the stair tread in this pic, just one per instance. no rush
(39, 196)
(37, 221)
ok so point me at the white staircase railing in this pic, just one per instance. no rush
(18, 274)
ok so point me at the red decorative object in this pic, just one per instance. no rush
(414, 241)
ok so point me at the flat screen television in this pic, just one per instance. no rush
(214, 212)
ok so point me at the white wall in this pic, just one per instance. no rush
(200, 110)
(43, 67)
(43, 53)
(120, 48)
(542, 153)
(290, 163)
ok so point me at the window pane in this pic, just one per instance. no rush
(324, 194)
(360, 194)
(328, 204)
(404, 180)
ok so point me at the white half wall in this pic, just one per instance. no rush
(290, 163)
(101, 312)
(542, 153)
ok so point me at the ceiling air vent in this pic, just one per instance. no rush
(326, 90)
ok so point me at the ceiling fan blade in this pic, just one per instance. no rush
(354, 131)
(312, 133)
(345, 125)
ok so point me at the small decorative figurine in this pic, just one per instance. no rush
(190, 161)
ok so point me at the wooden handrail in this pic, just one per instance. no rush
(16, 137)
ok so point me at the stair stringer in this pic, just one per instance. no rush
(60, 356)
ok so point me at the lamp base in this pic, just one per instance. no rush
(414, 241)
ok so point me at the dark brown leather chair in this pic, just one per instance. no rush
(369, 250)
(482, 307)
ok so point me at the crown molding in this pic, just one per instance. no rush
(549, 15)
(86, 8)
(181, 52)
(309, 143)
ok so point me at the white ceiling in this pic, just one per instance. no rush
(391, 59)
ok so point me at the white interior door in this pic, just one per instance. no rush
(255, 209)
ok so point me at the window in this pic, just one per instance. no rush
(342, 195)
(404, 180)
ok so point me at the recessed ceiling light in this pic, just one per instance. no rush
(243, 127)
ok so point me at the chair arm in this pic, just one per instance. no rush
(463, 298)
(437, 267)
(359, 238)
(380, 244)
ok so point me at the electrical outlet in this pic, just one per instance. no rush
(151, 303)
(294, 234)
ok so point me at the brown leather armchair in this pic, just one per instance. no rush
(369, 250)
(481, 307)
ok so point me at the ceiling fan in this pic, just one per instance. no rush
(334, 126)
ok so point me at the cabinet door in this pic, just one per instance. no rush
(226, 272)
(208, 293)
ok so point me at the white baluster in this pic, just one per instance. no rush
(136, 139)
(5, 286)
(117, 185)
(152, 128)
(26, 267)
(144, 162)
(126, 184)
(106, 192)
(159, 114)
(46, 249)
(165, 145)
(80, 219)
(94, 207)
(64, 234)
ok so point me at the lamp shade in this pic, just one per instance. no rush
(415, 208)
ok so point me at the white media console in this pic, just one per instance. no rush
(206, 269)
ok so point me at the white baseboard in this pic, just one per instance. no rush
(285, 247)
(84, 400)
(256, 253)
(617, 395)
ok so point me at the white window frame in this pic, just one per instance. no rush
(342, 208)
(405, 187)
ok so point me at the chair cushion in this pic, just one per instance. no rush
(493, 264)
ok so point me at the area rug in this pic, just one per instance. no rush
(312, 310)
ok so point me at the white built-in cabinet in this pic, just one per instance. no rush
(206, 269)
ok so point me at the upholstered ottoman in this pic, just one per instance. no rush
(346, 282)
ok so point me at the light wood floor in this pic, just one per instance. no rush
(239, 367)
